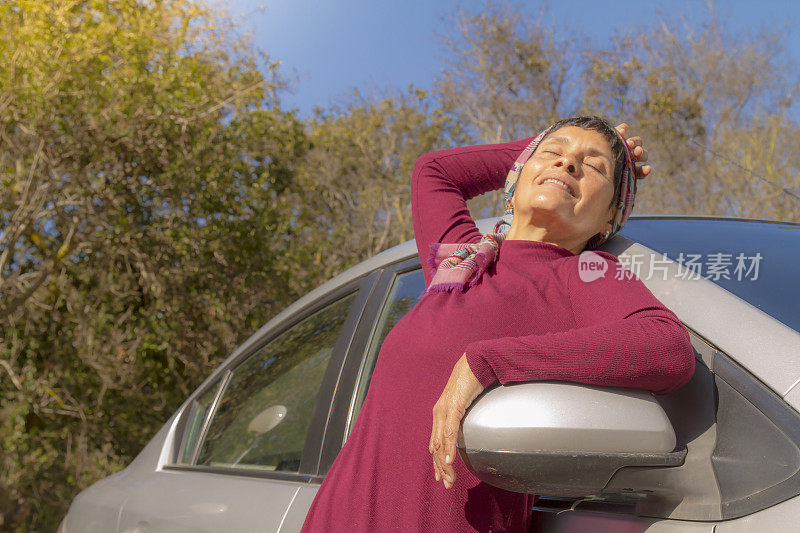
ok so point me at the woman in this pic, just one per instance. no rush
(505, 307)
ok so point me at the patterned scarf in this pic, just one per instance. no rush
(460, 266)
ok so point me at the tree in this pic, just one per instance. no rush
(708, 101)
(148, 182)
(356, 178)
(505, 77)
(704, 98)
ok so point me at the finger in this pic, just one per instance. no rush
(633, 142)
(451, 425)
(450, 478)
(639, 154)
(450, 434)
(438, 471)
(445, 470)
(445, 476)
(450, 437)
(622, 129)
(644, 170)
(437, 443)
(438, 463)
(448, 475)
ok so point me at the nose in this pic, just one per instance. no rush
(568, 163)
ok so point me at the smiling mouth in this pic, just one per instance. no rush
(560, 184)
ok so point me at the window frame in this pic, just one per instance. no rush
(212, 407)
(309, 464)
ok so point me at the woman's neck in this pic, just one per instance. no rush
(533, 233)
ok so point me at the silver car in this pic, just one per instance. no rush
(249, 448)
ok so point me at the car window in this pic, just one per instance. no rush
(756, 261)
(194, 423)
(265, 410)
(406, 291)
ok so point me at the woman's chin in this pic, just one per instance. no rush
(545, 208)
(551, 199)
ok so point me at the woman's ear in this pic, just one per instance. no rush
(607, 227)
(612, 214)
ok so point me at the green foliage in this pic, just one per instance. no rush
(355, 180)
(507, 76)
(148, 180)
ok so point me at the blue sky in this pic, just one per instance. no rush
(331, 46)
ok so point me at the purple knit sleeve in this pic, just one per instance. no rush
(441, 184)
(624, 337)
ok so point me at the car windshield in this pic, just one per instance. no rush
(757, 261)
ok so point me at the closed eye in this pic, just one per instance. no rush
(599, 168)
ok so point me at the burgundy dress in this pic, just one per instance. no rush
(530, 318)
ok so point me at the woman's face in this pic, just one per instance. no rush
(566, 187)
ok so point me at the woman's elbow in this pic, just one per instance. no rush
(423, 161)
(423, 169)
(678, 362)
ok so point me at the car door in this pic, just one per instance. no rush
(249, 442)
(398, 289)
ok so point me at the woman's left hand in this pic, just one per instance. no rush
(637, 150)
(461, 389)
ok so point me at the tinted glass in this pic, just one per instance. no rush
(194, 424)
(265, 411)
(406, 291)
(757, 261)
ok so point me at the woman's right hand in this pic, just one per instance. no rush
(461, 389)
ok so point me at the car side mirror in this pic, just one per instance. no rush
(266, 420)
(563, 439)
(262, 423)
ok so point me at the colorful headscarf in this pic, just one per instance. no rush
(460, 266)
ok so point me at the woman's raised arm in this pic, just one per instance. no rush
(441, 184)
